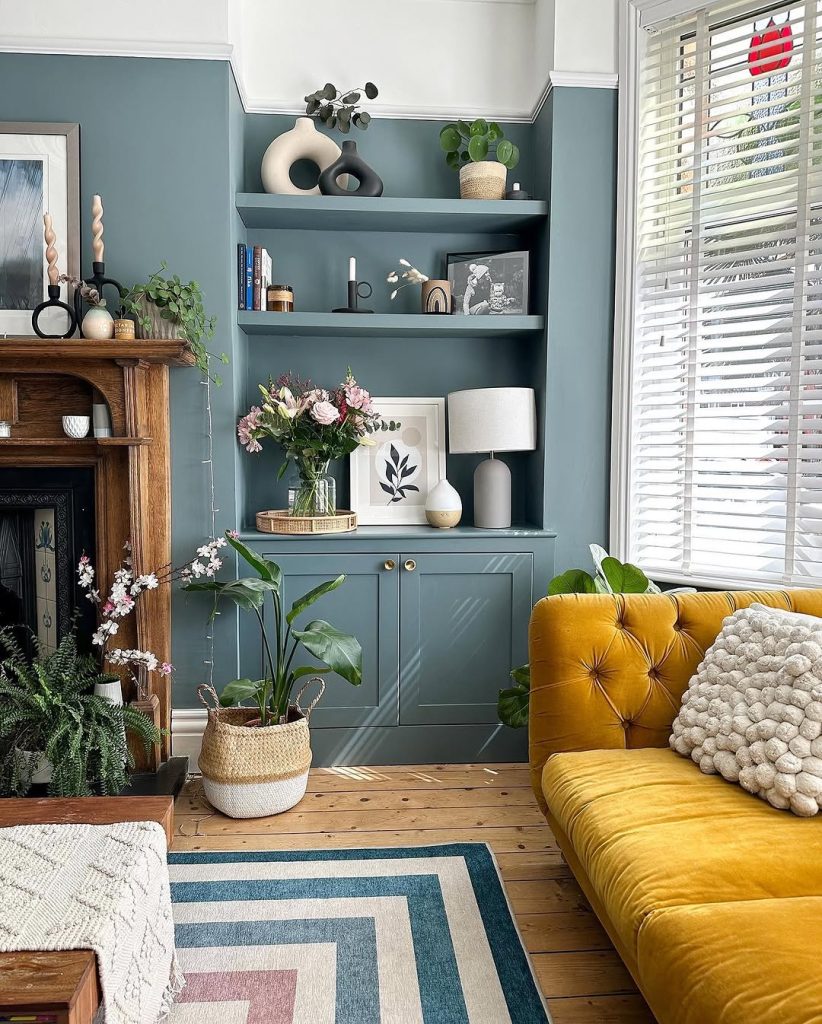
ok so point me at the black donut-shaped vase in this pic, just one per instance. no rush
(350, 162)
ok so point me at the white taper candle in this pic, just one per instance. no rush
(51, 252)
(97, 247)
(352, 269)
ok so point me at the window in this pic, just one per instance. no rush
(722, 477)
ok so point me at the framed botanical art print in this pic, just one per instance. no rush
(39, 173)
(391, 479)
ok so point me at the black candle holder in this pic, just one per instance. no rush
(52, 302)
(98, 281)
(354, 294)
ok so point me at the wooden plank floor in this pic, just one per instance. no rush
(581, 975)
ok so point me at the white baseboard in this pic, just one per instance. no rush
(187, 728)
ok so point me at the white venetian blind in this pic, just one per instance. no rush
(726, 381)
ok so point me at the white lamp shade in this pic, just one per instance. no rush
(492, 420)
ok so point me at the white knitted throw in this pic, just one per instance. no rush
(99, 887)
(753, 711)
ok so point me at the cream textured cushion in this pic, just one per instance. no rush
(753, 711)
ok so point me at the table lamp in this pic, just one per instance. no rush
(492, 420)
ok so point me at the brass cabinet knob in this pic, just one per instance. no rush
(389, 565)
(410, 565)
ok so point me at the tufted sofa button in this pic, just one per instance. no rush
(677, 626)
(653, 672)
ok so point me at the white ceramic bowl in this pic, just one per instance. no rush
(76, 426)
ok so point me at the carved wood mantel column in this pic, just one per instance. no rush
(42, 380)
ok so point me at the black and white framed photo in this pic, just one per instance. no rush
(390, 479)
(39, 173)
(489, 284)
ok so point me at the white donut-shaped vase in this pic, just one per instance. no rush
(302, 142)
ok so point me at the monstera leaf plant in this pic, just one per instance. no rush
(610, 577)
(333, 650)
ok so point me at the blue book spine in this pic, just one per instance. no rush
(249, 277)
(241, 275)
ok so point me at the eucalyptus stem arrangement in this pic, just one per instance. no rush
(336, 108)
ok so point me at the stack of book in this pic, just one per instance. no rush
(253, 276)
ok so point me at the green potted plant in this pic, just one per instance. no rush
(255, 760)
(166, 307)
(481, 154)
(610, 577)
(54, 729)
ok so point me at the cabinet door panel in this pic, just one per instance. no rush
(463, 627)
(366, 605)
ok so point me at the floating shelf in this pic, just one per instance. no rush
(386, 325)
(435, 216)
(406, 533)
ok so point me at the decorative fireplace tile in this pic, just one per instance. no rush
(46, 625)
(45, 578)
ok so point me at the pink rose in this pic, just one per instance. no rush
(325, 413)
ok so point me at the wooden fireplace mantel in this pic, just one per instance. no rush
(42, 380)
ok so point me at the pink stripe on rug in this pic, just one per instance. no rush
(270, 994)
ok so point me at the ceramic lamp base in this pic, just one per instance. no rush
(492, 495)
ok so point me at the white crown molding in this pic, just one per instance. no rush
(260, 106)
(187, 728)
(583, 80)
(194, 50)
(189, 50)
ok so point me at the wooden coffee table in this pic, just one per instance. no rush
(65, 984)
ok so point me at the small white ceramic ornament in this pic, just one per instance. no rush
(443, 507)
(98, 324)
(76, 426)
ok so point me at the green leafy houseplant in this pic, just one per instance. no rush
(48, 709)
(334, 650)
(337, 109)
(481, 140)
(610, 577)
(181, 304)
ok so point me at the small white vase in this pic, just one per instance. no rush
(302, 142)
(111, 691)
(443, 506)
(76, 426)
(98, 324)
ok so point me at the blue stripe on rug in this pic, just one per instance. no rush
(358, 993)
(522, 996)
(437, 973)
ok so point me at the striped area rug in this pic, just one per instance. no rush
(422, 935)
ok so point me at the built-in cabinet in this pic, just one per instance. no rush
(441, 625)
(442, 615)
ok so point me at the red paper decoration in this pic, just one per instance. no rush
(771, 50)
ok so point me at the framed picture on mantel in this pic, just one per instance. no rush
(39, 173)
(391, 479)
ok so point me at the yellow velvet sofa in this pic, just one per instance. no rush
(712, 898)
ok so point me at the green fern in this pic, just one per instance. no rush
(47, 706)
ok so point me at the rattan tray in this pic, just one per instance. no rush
(279, 521)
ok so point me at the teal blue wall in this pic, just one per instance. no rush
(167, 144)
(575, 145)
(153, 144)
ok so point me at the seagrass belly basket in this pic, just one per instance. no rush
(248, 770)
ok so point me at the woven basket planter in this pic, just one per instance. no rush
(483, 180)
(251, 771)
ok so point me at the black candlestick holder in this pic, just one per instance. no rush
(52, 302)
(354, 294)
(98, 281)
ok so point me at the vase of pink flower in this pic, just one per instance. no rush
(313, 426)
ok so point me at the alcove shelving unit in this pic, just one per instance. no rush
(441, 615)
